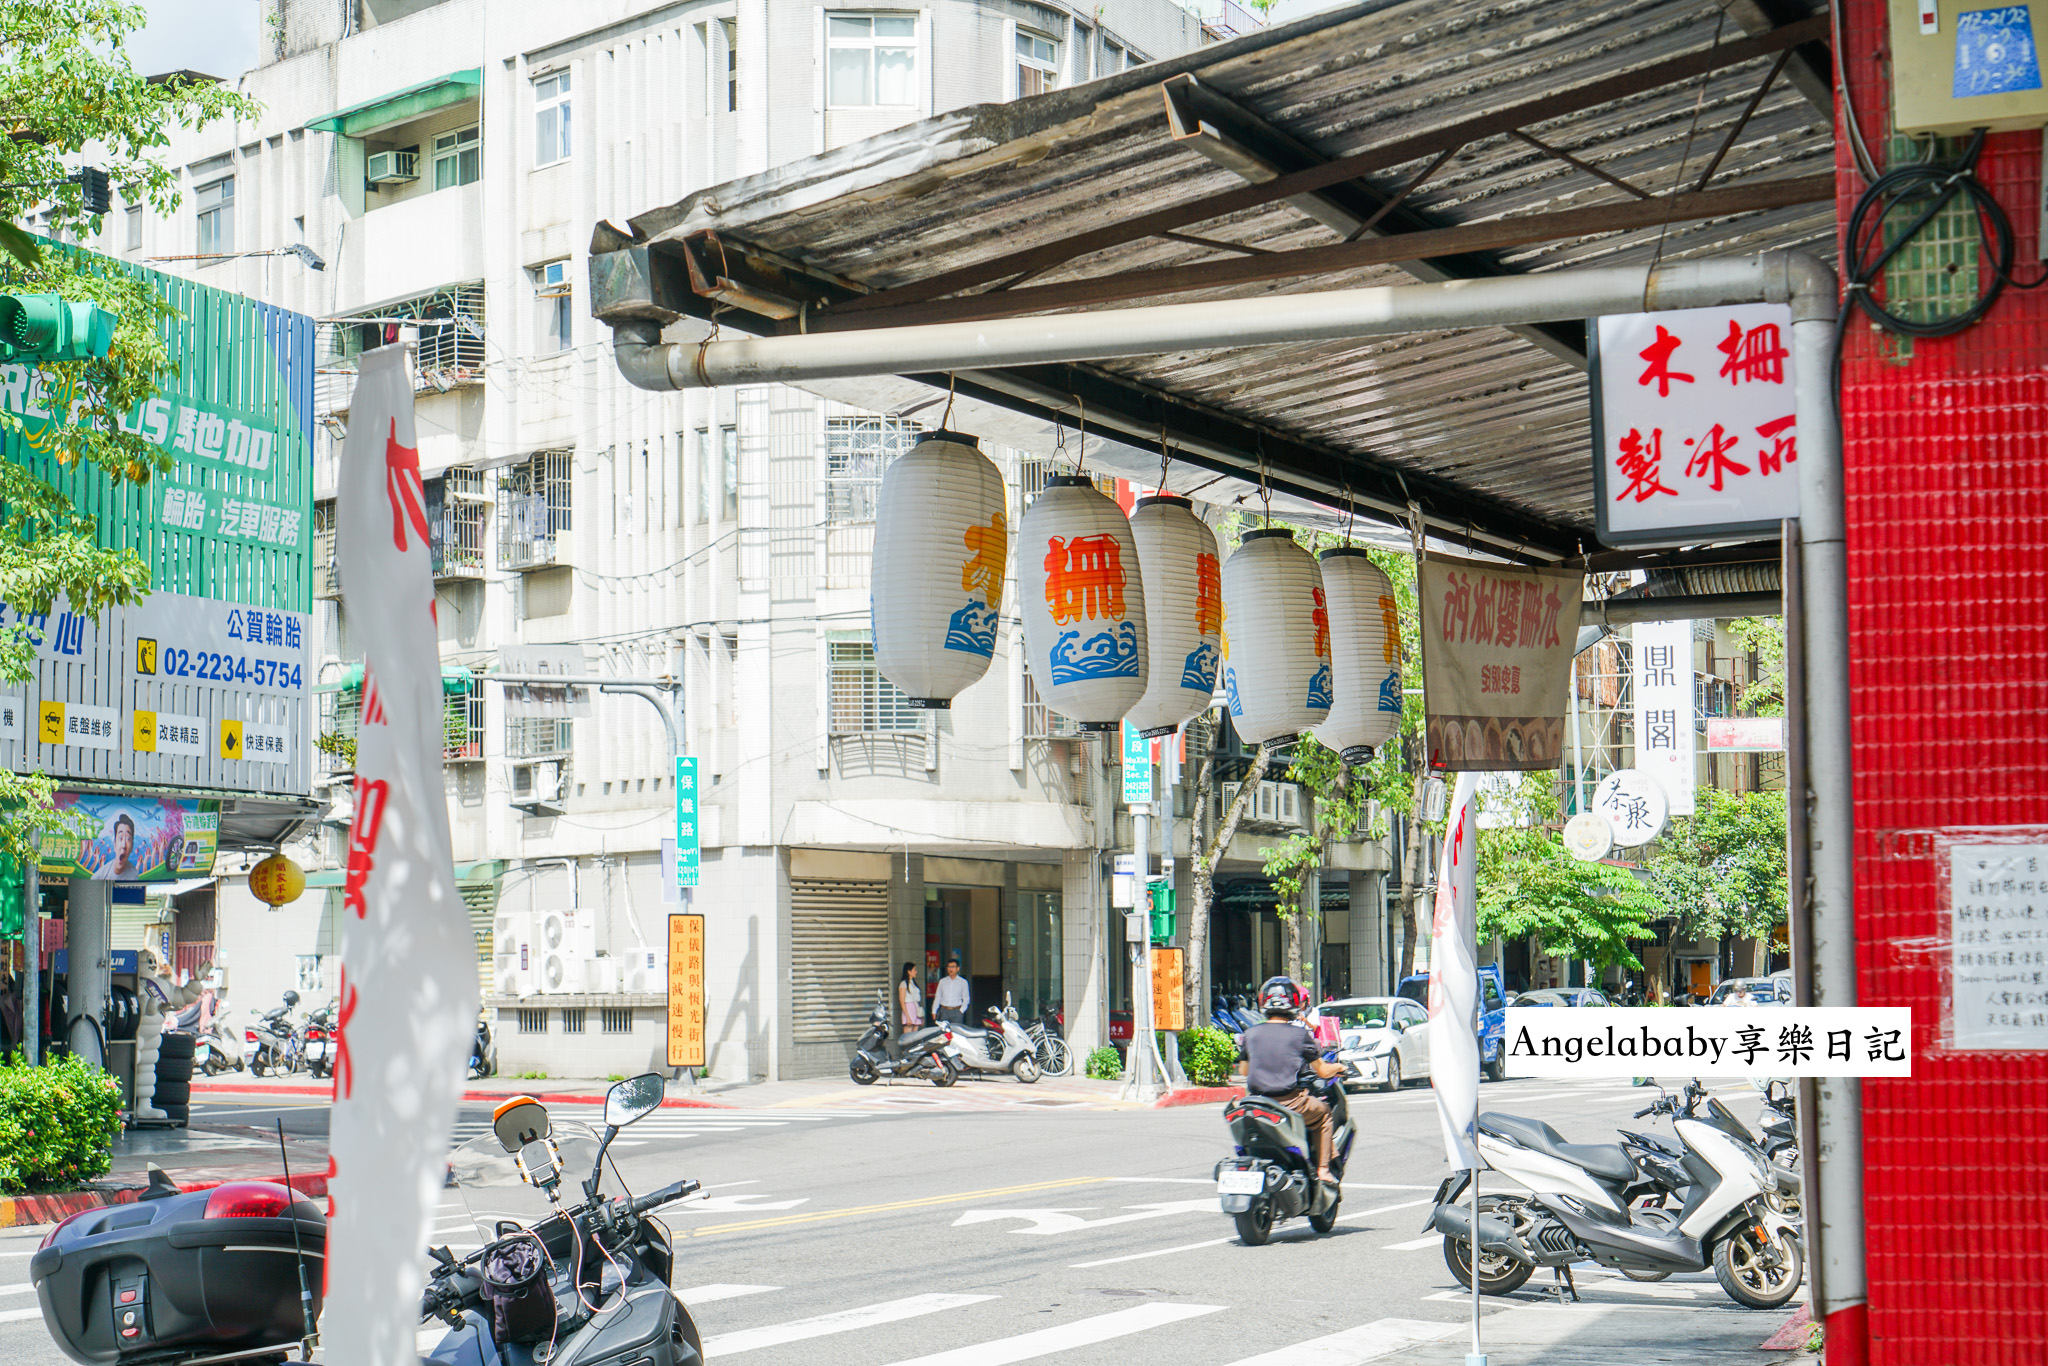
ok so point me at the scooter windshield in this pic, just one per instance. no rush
(492, 1190)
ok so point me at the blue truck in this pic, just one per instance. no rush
(1493, 1063)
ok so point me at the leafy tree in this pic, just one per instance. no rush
(1530, 885)
(1765, 696)
(1722, 870)
(69, 95)
(1209, 847)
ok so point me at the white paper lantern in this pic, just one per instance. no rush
(1276, 638)
(1365, 655)
(941, 539)
(1182, 567)
(1084, 603)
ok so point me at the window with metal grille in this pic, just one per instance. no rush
(462, 722)
(457, 508)
(857, 453)
(326, 575)
(533, 520)
(864, 702)
(1040, 721)
(533, 1022)
(447, 324)
(537, 737)
(572, 1021)
(615, 1019)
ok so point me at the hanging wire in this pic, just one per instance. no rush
(1081, 431)
(1416, 531)
(1350, 516)
(946, 418)
(1165, 458)
(1059, 441)
(1265, 490)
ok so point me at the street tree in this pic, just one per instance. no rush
(68, 95)
(1529, 884)
(1209, 843)
(1721, 871)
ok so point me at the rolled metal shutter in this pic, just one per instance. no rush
(839, 956)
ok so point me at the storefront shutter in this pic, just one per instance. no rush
(839, 956)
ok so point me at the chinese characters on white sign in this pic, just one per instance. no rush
(1664, 709)
(1998, 944)
(1693, 424)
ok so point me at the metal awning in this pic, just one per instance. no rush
(402, 106)
(1378, 144)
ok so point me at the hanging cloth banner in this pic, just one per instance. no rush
(1454, 981)
(407, 993)
(1497, 647)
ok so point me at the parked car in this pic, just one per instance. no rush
(1384, 1040)
(1766, 991)
(1493, 995)
(1564, 996)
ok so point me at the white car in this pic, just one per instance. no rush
(1384, 1040)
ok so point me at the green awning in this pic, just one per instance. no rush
(454, 679)
(399, 106)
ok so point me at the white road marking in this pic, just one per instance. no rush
(711, 1294)
(1155, 1252)
(733, 1204)
(1366, 1342)
(1430, 1240)
(1051, 1221)
(1065, 1338)
(16, 1315)
(843, 1321)
(16, 1289)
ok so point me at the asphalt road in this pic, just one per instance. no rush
(1085, 1236)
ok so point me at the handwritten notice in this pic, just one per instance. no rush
(1998, 902)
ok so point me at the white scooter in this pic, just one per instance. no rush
(1576, 1210)
(998, 1045)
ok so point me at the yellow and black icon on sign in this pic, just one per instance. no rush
(50, 723)
(231, 739)
(145, 732)
(145, 657)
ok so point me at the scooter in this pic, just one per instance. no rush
(999, 1045)
(483, 1054)
(1665, 1181)
(1272, 1176)
(1576, 1209)
(317, 1042)
(272, 1043)
(219, 1049)
(929, 1052)
(587, 1284)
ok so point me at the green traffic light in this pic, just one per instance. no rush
(51, 327)
(92, 332)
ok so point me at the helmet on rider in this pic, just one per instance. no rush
(1282, 996)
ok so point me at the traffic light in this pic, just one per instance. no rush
(93, 190)
(50, 327)
(1161, 897)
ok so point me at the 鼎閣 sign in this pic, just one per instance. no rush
(1693, 429)
(1665, 733)
(1497, 646)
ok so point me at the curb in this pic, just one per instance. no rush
(18, 1211)
(1197, 1095)
(230, 1089)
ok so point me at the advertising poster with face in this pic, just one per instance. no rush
(134, 839)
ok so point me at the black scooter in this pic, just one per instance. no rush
(1272, 1176)
(929, 1053)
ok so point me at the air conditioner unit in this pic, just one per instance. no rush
(508, 931)
(561, 972)
(601, 975)
(645, 973)
(573, 931)
(391, 168)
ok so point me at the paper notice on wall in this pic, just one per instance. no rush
(1664, 710)
(1998, 947)
(1497, 647)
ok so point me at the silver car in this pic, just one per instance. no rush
(1384, 1040)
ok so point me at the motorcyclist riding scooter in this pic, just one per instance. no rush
(1292, 1142)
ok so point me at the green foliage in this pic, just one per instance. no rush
(57, 1125)
(1766, 636)
(1530, 885)
(1105, 1064)
(67, 86)
(1722, 870)
(1207, 1056)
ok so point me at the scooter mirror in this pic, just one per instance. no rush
(633, 1098)
(520, 1121)
(1645, 1081)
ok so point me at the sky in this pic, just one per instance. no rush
(217, 37)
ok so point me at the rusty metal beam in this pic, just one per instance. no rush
(1521, 230)
(1336, 172)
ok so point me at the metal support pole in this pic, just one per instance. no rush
(1477, 1356)
(1578, 746)
(1144, 1084)
(32, 963)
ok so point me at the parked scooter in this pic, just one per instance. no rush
(483, 1053)
(1576, 1209)
(929, 1053)
(1272, 1176)
(998, 1044)
(317, 1043)
(272, 1043)
(588, 1281)
(1667, 1182)
(219, 1049)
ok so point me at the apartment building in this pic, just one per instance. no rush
(428, 171)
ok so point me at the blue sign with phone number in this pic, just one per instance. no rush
(1995, 52)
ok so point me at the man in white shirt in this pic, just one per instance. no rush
(950, 1003)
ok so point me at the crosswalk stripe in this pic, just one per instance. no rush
(15, 1315)
(1065, 1338)
(1366, 1342)
(1414, 1243)
(843, 1321)
(711, 1294)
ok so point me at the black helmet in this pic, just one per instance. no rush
(291, 999)
(1282, 996)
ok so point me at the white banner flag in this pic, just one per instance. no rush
(1454, 981)
(408, 986)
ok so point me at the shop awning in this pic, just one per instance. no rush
(401, 106)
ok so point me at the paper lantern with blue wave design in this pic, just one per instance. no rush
(1083, 603)
(1183, 612)
(1276, 638)
(941, 540)
(1365, 655)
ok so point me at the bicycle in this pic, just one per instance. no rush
(1054, 1058)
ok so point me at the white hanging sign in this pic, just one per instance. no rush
(1693, 429)
(1665, 737)
(1633, 803)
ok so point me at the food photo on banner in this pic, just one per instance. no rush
(133, 839)
(1497, 646)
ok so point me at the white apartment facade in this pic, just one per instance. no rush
(445, 161)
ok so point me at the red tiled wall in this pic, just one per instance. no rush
(1947, 483)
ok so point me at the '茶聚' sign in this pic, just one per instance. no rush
(1693, 424)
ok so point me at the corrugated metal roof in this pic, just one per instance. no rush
(1489, 411)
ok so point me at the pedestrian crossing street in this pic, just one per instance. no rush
(969, 1319)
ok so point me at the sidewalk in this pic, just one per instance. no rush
(1704, 1334)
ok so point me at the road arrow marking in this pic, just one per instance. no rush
(1051, 1221)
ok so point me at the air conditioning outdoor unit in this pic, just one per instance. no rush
(391, 168)
(564, 941)
(646, 974)
(601, 976)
